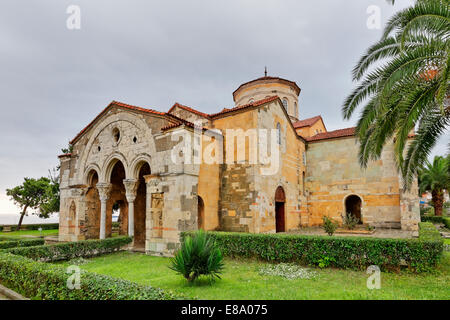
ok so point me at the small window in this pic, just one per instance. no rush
(99, 148)
(116, 135)
(285, 104)
(279, 133)
(134, 139)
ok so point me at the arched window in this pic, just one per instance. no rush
(285, 104)
(251, 100)
(279, 133)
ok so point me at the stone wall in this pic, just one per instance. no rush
(333, 173)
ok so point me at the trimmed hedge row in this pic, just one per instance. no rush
(70, 250)
(13, 243)
(325, 251)
(45, 226)
(427, 231)
(37, 280)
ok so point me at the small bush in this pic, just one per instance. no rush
(350, 221)
(329, 225)
(71, 250)
(198, 256)
(446, 221)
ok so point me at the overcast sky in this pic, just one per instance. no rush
(54, 81)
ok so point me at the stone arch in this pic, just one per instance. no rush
(280, 202)
(109, 165)
(137, 164)
(128, 117)
(115, 175)
(92, 205)
(353, 203)
(89, 173)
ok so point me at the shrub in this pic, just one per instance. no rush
(446, 221)
(198, 256)
(427, 231)
(13, 243)
(329, 225)
(339, 252)
(350, 221)
(37, 280)
(70, 250)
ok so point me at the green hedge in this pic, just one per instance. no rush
(37, 280)
(13, 243)
(44, 226)
(446, 221)
(70, 250)
(434, 219)
(427, 231)
(325, 251)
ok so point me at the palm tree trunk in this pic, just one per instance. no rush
(438, 202)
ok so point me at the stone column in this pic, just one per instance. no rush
(80, 192)
(130, 193)
(152, 182)
(103, 191)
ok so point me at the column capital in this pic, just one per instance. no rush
(131, 186)
(103, 190)
(153, 183)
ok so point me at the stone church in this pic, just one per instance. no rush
(141, 163)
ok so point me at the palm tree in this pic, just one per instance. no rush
(404, 85)
(436, 178)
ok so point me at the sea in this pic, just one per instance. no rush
(7, 218)
(11, 219)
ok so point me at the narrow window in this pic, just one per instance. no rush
(279, 133)
(285, 104)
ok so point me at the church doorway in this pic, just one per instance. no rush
(353, 205)
(140, 205)
(201, 213)
(280, 200)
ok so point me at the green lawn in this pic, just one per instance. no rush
(29, 233)
(242, 281)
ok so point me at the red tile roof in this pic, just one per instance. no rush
(65, 155)
(307, 122)
(250, 105)
(201, 114)
(120, 104)
(347, 132)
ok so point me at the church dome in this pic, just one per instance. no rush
(267, 86)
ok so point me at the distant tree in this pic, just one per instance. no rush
(434, 177)
(67, 150)
(41, 195)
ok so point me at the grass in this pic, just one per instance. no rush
(241, 280)
(36, 233)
